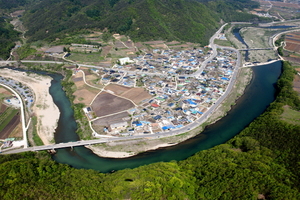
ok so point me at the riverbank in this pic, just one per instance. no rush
(102, 152)
(123, 149)
(44, 109)
(249, 64)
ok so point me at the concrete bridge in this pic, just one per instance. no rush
(60, 145)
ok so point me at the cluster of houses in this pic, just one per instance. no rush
(169, 62)
(178, 97)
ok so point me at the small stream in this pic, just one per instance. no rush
(236, 33)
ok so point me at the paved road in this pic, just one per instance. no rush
(214, 49)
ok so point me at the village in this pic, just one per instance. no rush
(158, 91)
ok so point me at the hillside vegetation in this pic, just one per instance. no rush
(262, 162)
(142, 20)
(8, 36)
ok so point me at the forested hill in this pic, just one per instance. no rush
(8, 36)
(142, 20)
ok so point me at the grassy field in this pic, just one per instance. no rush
(36, 139)
(224, 43)
(291, 116)
(86, 57)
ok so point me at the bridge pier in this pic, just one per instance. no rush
(52, 151)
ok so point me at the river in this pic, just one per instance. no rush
(258, 95)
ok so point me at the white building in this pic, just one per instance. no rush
(125, 60)
(116, 127)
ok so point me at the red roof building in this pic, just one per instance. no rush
(154, 105)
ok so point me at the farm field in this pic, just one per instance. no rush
(292, 41)
(106, 104)
(9, 119)
(296, 82)
(282, 10)
(86, 57)
(106, 121)
(84, 94)
(117, 89)
(136, 95)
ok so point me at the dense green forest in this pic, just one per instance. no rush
(142, 20)
(10, 4)
(8, 36)
(262, 162)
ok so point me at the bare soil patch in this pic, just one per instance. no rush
(159, 46)
(287, 5)
(17, 132)
(139, 45)
(119, 44)
(106, 50)
(136, 95)
(2, 108)
(83, 96)
(106, 121)
(296, 83)
(17, 13)
(10, 126)
(172, 43)
(117, 89)
(155, 42)
(292, 47)
(180, 46)
(86, 72)
(292, 59)
(92, 79)
(106, 104)
(78, 80)
(4, 91)
(105, 64)
(129, 44)
(292, 41)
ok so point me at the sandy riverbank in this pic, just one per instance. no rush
(102, 152)
(44, 108)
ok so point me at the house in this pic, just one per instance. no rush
(154, 105)
(137, 123)
(117, 126)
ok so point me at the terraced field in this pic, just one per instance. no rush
(292, 41)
